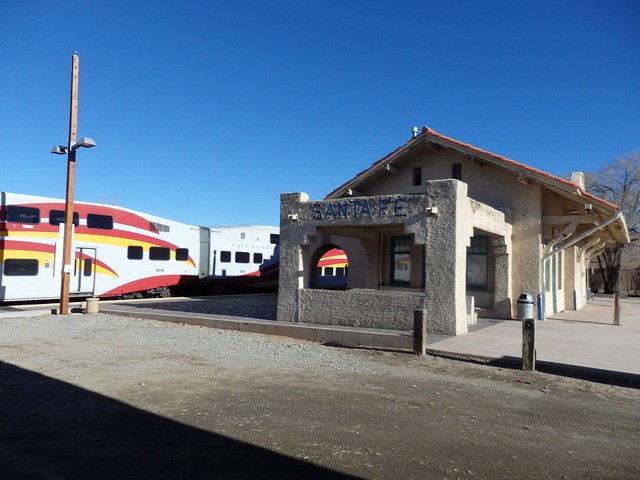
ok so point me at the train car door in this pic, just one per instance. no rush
(84, 274)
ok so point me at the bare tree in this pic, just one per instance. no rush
(618, 182)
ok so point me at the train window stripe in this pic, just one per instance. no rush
(134, 252)
(20, 267)
(21, 214)
(159, 253)
(243, 257)
(56, 217)
(104, 222)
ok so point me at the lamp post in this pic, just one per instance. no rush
(70, 151)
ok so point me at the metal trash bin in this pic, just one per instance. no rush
(525, 307)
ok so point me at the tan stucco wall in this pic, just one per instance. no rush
(496, 188)
(440, 222)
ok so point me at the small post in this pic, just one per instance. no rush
(616, 309)
(420, 332)
(526, 316)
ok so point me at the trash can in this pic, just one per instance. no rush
(92, 305)
(525, 307)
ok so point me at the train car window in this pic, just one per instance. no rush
(88, 267)
(56, 217)
(17, 213)
(20, 267)
(134, 252)
(340, 271)
(159, 253)
(104, 222)
(257, 258)
(243, 257)
(225, 256)
(182, 254)
(274, 238)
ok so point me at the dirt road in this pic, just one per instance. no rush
(98, 396)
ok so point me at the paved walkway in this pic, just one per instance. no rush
(585, 338)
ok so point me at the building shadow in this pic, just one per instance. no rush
(50, 429)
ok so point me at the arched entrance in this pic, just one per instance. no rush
(331, 268)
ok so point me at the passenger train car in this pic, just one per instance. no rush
(121, 252)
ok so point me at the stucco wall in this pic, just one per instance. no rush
(361, 308)
(439, 220)
(497, 188)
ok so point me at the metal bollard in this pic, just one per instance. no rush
(526, 316)
(420, 332)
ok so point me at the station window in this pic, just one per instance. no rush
(257, 258)
(225, 256)
(182, 254)
(478, 263)
(456, 171)
(56, 217)
(243, 257)
(20, 267)
(104, 222)
(134, 252)
(159, 253)
(417, 176)
(19, 214)
(400, 260)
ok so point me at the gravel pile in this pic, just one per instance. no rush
(157, 340)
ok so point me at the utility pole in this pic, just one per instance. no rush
(67, 261)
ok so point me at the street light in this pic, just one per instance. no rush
(70, 151)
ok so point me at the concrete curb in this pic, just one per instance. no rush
(356, 337)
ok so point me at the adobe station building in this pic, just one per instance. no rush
(445, 227)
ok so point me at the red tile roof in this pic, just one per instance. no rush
(517, 167)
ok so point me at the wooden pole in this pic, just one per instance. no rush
(67, 265)
(420, 332)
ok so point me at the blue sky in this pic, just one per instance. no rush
(205, 111)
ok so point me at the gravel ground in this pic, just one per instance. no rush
(104, 396)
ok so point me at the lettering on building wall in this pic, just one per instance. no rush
(358, 208)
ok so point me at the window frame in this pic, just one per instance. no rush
(99, 221)
(17, 210)
(59, 216)
(479, 252)
(135, 248)
(21, 265)
(160, 254)
(405, 244)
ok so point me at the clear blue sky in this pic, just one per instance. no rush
(205, 111)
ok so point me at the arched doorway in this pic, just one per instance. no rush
(331, 268)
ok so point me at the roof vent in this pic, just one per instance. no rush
(414, 132)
